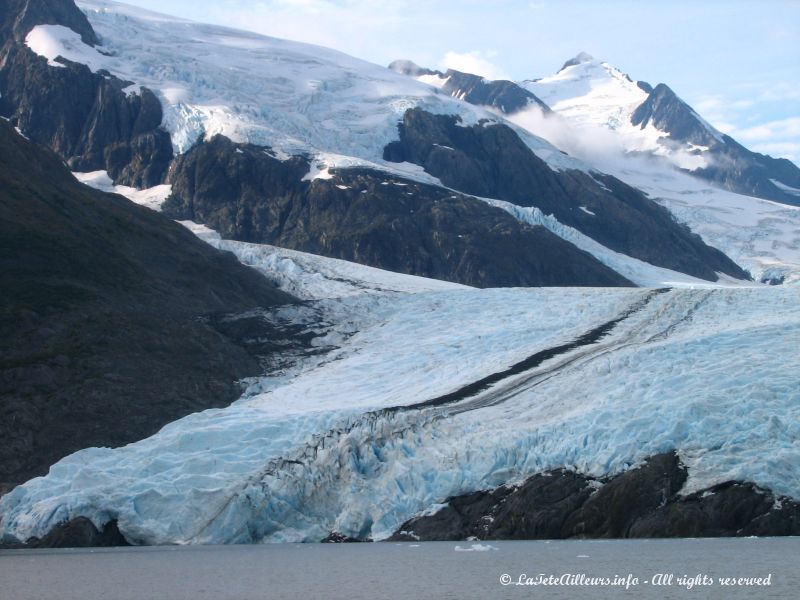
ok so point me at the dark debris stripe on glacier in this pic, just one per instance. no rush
(381, 427)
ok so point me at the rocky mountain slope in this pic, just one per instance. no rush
(653, 141)
(592, 94)
(371, 217)
(104, 317)
(331, 113)
(506, 96)
(383, 404)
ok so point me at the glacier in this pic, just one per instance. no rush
(313, 277)
(378, 427)
(760, 235)
(295, 98)
(341, 111)
(347, 444)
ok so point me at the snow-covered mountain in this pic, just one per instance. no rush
(596, 98)
(591, 94)
(390, 386)
(643, 118)
(655, 142)
(303, 147)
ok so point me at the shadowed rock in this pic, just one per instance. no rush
(492, 161)
(639, 503)
(372, 218)
(106, 332)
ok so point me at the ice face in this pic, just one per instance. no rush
(296, 98)
(313, 277)
(710, 373)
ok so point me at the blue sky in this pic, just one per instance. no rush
(737, 62)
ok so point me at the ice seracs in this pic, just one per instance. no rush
(690, 370)
(293, 97)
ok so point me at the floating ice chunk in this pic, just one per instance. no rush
(476, 548)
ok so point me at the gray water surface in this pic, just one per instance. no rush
(438, 570)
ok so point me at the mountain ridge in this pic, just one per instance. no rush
(135, 130)
(96, 292)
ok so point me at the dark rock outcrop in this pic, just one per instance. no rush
(736, 168)
(492, 161)
(372, 218)
(105, 333)
(339, 538)
(732, 166)
(506, 96)
(18, 17)
(665, 111)
(77, 533)
(85, 117)
(410, 68)
(639, 503)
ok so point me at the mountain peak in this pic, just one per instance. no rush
(581, 57)
(409, 67)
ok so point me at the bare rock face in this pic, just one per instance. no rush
(506, 96)
(640, 503)
(107, 328)
(492, 161)
(372, 218)
(85, 117)
(731, 165)
(18, 17)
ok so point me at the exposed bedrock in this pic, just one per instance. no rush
(492, 161)
(87, 118)
(370, 217)
(18, 17)
(641, 503)
(730, 165)
(506, 96)
(110, 316)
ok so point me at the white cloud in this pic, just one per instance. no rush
(780, 92)
(748, 120)
(780, 138)
(723, 126)
(475, 62)
(772, 130)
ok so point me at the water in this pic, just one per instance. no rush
(409, 571)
